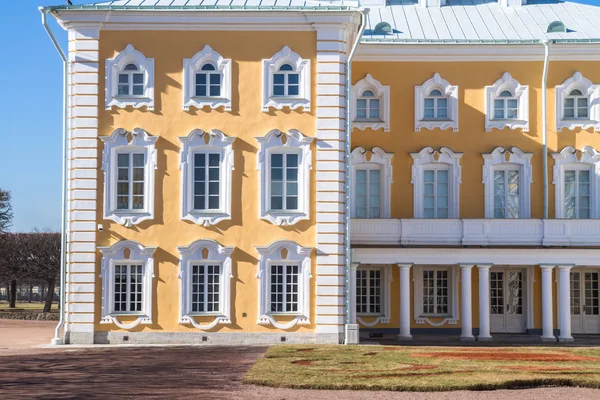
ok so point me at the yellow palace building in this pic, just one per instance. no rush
(266, 171)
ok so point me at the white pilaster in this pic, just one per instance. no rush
(352, 335)
(484, 302)
(547, 323)
(466, 306)
(404, 302)
(564, 303)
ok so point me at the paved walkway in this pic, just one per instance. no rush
(193, 372)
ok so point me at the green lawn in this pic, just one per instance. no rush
(33, 306)
(425, 368)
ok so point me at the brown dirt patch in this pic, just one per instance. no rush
(303, 362)
(505, 356)
(370, 354)
(352, 362)
(540, 368)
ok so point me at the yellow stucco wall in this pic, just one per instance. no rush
(168, 121)
(471, 138)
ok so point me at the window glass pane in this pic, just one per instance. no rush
(293, 79)
(293, 90)
(279, 79)
(286, 67)
(138, 78)
(215, 91)
(215, 79)
(138, 90)
(442, 175)
(123, 90)
(429, 103)
(278, 90)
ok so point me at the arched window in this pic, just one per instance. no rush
(131, 81)
(367, 106)
(505, 106)
(208, 81)
(435, 106)
(576, 105)
(286, 82)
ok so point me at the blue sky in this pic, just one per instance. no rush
(30, 113)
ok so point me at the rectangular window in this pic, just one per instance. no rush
(435, 192)
(577, 194)
(506, 194)
(284, 182)
(130, 181)
(284, 288)
(205, 288)
(591, 294)
(128, 288)
(368, 291)
(435, 292)
(368, 193)
(207, 173)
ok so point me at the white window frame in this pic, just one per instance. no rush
(587, 88)
(384, 317)
(294, 142)
(453, 278)
(445, 158)
(284, 252)
(118, 143)
(508, 159)
(126, 252)
(301, 67)
(569, 158)
(449, 92)
(378, 159)
(114, 66)
(192, 66)
(199, 141)
(382, 93)
(206, 252)
(518, 92)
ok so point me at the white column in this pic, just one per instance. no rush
(466, 306)
(564, 303)
(547, 323)
(484, 302)
(352, 334)
(404, 302)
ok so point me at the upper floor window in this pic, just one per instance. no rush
(371, 183)
(127, 270)
(130, 80)
(370, 107)
(205, 273)
(436, 180)
(507, 178)
(207, 81)
(284, 282)
(207, 165)
(129, 167)
(578, 104)
(286, 81)
(577, 183)
(507, 104)
(284, 162)
(436, 105)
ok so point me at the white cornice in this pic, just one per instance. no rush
(408, 52)
(209, 20)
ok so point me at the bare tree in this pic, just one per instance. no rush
(42, 260)
(11, 263)
(6, 214)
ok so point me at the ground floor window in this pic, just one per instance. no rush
(284, 288)
(369, 291)
(205, 288)
(436, 294)
(129, 288)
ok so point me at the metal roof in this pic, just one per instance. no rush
(485, 21)
(211, 4)
(459, 21)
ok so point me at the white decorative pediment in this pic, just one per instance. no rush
(294, 142)
(448, 92)
(518, 92)
(124, 142)
(587, 89)
(192, 66)
(207, 252)
(284, 252)
(126, 252)
(117, 65)
(196, 142)
(380, 92)
(301, 67)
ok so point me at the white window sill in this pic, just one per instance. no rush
(211, 102)
(431, 124)
(284, 218)
(293, 103)
(127, 218)
(133, 101)
(578, 123)
(206, 218)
